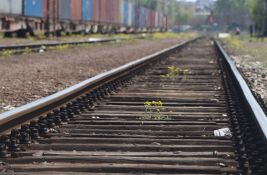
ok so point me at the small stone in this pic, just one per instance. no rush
(8, 108)
(156, 143)
(221, 164)
(215, 153)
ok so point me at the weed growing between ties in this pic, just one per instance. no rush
(153, 111)
(175, 72)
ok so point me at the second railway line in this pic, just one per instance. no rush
(157, 116)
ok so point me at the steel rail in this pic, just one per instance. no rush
(11, 118)
(53, 44)
(243, 87)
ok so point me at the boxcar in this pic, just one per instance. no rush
(10, 7)
(70, 10)
(76, 10)
(125, 12)
(10, 13)
(102, 10)
(133, 13)
(52, 10)
(64, 9)
(147, 18)
(78, 15)
(140, 19)
(87, 12)
(33, 8)
(130, 8)
(96, 10)
(116, 12)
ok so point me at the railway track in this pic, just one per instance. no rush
(157, 115)
(20, 48)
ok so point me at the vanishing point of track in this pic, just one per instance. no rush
(101, 126)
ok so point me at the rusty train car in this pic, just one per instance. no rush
(77, 16)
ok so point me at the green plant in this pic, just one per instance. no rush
(40, 36)
(62, 47)
(27, 51)
(1, 35)
(7, 53)
(153, 111)
(174, 72)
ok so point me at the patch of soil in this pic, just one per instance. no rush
(25, 78)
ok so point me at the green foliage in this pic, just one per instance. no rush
(40, 36)
(27, 51)
(236, 11)
(168, 35)
(152, 4)
(7, 53)
(231, 12)
(153, 111)
(256, 49)
(234, 42)
(62, 47)
(256, 10)
(178, 12)
(258, 14)
(183, 14)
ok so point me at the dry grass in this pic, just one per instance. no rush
(244, 45)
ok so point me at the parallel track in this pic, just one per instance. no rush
(20, 48)
(107, 131)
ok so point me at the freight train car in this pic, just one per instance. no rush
(10, 13)
(24, 17)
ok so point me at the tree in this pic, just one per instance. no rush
(257, 10)
(152, 4)
(177, 12)
(228, 12)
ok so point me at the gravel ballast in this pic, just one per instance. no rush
(26, 78)
(252, 64)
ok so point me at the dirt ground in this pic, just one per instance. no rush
(25, 78)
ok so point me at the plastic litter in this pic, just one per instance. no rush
(222, 132)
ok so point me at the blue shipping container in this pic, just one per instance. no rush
(140, 17)
(64, 9)
(133, 13)
(125, 11)
(33, 8)
(146, 17)
(87, 11)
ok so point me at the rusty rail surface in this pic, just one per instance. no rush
(179, 111)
